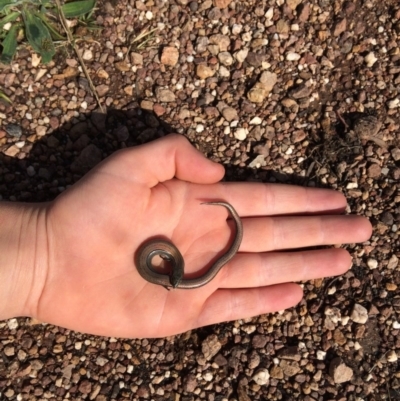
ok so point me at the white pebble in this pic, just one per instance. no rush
(149, 15)
(396, 325)
(208, 377)
(372, 263)
(359, 314)
(84, 105)
(261, 377)
(12, 324)
(292, 56)
(87, 54)
(236, 29)
(321, 355)
(391, 356)
(241, 134)
(200, 128)
(392, 104)
(256, 121)
(370, 59)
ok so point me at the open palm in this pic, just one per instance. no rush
(94, 229)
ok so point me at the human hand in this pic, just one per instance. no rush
(89, 282)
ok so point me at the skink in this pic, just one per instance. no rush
(169, 252)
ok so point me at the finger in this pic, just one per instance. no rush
(274, 233)
(255, 199)
(166, 158)
(224, 305)
(259, 270)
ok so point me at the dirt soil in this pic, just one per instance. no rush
(292, 91)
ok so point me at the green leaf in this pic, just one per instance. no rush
(9, 45)
(5, 97)
(78, 8)
(5, 3)
(38, 36)
(9, 18)
(53, 31)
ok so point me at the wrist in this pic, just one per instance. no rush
(23, 260)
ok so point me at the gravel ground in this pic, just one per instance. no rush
(295, 91)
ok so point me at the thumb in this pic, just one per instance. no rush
(166, 158)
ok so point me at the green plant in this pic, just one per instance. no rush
(38, 22)
(4, 97)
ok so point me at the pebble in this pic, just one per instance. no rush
(394, 103)
(241, 134)
(170, 56)
(393, 262)
(359, 314)
(261, 377)
(222, 3)
(225, 58)
(14, 130)
(293, 56)
(255, 121)
(204, 72)
(261, 89)
(165, 95)
(339, 371)
(372, 263)
(370, 59)
(210, 346)
(230, 114)
(391, 356)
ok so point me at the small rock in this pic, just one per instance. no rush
(14, 130)
(392, 104)
(222, 3)
(210, 346)
(121, 66)
(170, 56)
(87, 55)
(225, 58)
(370, 59)
(293, 4)
(290, 368)
(85, 387)
(254, 59)
(258, 162)
(393, 262)
(300, 92)
(359, 314)
(241, 55)
(391, 356)
(214, 14)
(259, 341)
(136, 58)
(230, 114)
(276, 373)
(339, 371)
(374, 171)
(241, 134)
(12, 151)
(395, 152)
(189, 383)
(372, 263)
(255, 121)
(298, 136)
(102, 90)
(291, 56)
(204, 72)
(340, 27)
(165, 95)
(159, 110)
(88, 158)
(268, 80)
(261, 377)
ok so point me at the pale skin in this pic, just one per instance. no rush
(71, 262)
